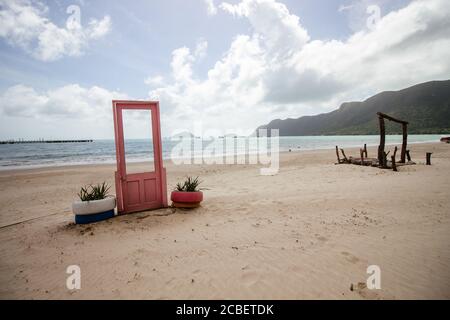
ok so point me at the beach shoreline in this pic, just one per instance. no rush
(171, 160)
(285, 144)
(309, 231)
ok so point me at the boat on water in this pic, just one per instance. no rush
(445, 139)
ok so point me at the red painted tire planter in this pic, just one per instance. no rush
(183, 199)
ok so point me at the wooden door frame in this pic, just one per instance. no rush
(120, 174)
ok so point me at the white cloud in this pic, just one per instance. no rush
(200, 49)
(278, 71)
(275, 71)
(182, 65)
(357, 12)
(182, 60)
(70, 101)
(154, 81)
(272, 23)
(210, 7)
(23, 23)
(406, 47)
(344, 7)
(99, 28)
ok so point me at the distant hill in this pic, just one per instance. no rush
(425, 106)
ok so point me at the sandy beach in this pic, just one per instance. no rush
(309, 232)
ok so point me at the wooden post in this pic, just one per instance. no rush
(404, 142)
(365, 150)
(394, 166)
(337, 154)
(361, 153)
(384, 159)
(395, 151)
(429, 158)
(345, 157)
(408, 156)
(382, 141)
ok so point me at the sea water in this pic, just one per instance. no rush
(103, 151)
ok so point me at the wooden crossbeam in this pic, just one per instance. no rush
(383, 115)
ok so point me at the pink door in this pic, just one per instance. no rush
(143, 190)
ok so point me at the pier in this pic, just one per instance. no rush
(44, 141)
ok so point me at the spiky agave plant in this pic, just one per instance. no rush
(189, 185)
(179, 186)
(94, 192)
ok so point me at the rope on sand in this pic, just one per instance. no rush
(28, 220)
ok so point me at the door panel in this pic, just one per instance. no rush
(142, 191)
(133, 193)
(139, 191)
(150, 190)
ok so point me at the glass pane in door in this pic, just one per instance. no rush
(137, 131)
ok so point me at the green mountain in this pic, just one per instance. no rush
(425, 106)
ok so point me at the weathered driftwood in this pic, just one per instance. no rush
(392, 164)
(382, 141)
(345, 157)
(366, 161)
(381, 117)
(384, 162)
(429, 158)
(344, 160)
(404, 141)
(408, 156)
(382, 158)
(388, 117)
(337, 155)
(394, 167)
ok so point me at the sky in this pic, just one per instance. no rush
(216, 67)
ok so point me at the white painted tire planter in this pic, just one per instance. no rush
(96, 206)
(93, 211)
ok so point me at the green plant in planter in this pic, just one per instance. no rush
(189, 185)
(94, 192)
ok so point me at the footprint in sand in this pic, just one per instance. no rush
(242, 209)
(349, 257)
(364, 292)
(250, 278)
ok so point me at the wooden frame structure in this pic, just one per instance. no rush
(381, 161)
(381, 154)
